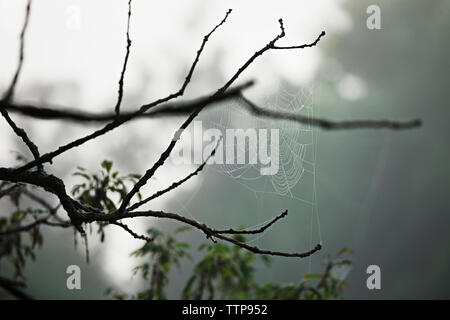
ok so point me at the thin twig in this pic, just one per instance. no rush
(260, 230)
(10, 92)
(134, 234)
(208, 231)
(22, 134)
(177, 183)
(124, 68)
(164, 155)
(150, 172)
(308, 45)
(32, 225)
(8, 190)
(169, 109)
(51, 209)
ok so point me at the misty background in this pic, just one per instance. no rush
(381, 193)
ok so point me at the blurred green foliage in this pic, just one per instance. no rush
(227, 272)
(16, 247)
(102, 190)
(222, 272)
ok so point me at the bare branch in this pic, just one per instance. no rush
(80, 213)
(10, 92)
(180, 92)
(163, 110)
(199, 52)
(256, 250)
(260, 230)
(134, 234)
(125, 62)
(116, 123)
(21, 133)
(150, 172)
(51, 184)
(308, 45)
(208, 231)
(331, 125)
(178, 183)
(163, 157)
(43, 221)
(51, 209)
(6, 191)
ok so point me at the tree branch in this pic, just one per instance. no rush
(21, 134)
(308, 45)
(125, 62)
(34, 224)
(177, 183)
(164, 110)
(10, 92)
(134, 234)
(49, 183)
(8, 190)
(208, 231)
(328, 124)
(149, 173)
(81, 213)
(260, 230)
(44, 203)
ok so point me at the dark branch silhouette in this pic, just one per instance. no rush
(10, 92)
(163, 110)
(210, 233)
(117, 122)
(125, 62)
(328, 124)
(41, 221)
(177, 183)
(134, 234)
(256, 231)
(81, 214)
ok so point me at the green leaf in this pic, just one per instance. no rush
(107, 165)
(187, 291)
(135, 176)
(18, 215)
(84, 175)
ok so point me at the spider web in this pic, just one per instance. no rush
(296, 175)
(293, 187)
(293, 144)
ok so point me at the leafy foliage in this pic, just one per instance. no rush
(223, 272)
(98, 189)
(165, 252)
(227, 272)
(102, 190)
(15, 247)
